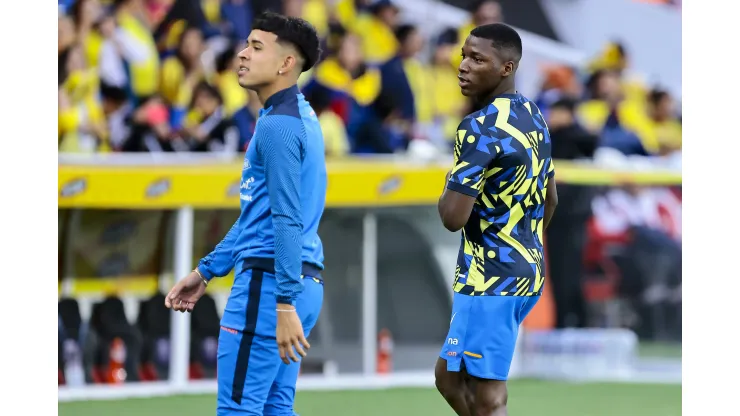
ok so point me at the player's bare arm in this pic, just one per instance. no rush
(551, 201)
(454, 209)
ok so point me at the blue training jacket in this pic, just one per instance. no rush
(282, 192)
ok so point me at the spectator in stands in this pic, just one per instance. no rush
(212, 13)
(211, 130)
(487, 12)
(237, 15)
(621, 124)
(319, 14)
(157, 10)
(235, 97)
(246, 119)
(449, 105)
(336, 142)
(149, 128)
(351, 85)
(117, 110)
(396, 96)
(81, 126)
(66, 33)
(419, 77)
(569, 139)
(181, 73)
(375, 26)
(293, 8)
(614, 57)
(560, 82)
(568, 225)
(238, 103)
(664, 123)
(181, 14)
(138, 49)
(387, 131)
(87, 15)
(483, 12)
(111, 65)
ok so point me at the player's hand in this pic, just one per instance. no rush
(289, 334)
(186, 292)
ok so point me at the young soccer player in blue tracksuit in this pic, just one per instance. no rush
(274, 245)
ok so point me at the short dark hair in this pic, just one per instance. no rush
(448, 36)
(657, 95)
(565, 103)
(226, 58)
(404, 31)
(63, 58)
(112, 93)
(205, 88)
(295, 31)
(503, 38)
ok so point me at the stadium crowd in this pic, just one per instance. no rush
(157, 75)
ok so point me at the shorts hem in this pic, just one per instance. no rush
(487, 377)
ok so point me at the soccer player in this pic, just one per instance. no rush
(274, 245)
(501, 193)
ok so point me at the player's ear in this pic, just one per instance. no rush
(507, 69)
(289, 62)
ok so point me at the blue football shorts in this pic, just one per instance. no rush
(483, 333)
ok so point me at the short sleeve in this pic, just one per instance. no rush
(474, 151)
(551, 169)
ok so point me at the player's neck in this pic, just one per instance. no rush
(268, 91)
(503, 88)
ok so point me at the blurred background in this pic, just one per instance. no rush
(152, 127)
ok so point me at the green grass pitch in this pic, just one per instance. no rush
(526, 397)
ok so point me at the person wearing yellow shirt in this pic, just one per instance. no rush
(235, 97)
(614, 57)
(336, 142)
(135, 41)
(483, 12)
(316, 12)
(449, 104)
(87, 15)
(181, 73)
(437, 100)
(417, 72)
(238, 103)
(374, 27)
(352, 86)
(663, 122)
(81, 125)
(210, 130)
(608, 107)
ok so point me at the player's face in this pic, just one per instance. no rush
(482, 68)
(260, 61)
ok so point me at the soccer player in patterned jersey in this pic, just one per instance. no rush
(501, 193)
(274, 244)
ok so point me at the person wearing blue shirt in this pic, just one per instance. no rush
(274, 245)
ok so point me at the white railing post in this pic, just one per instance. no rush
(369, 292)
(183, 259)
